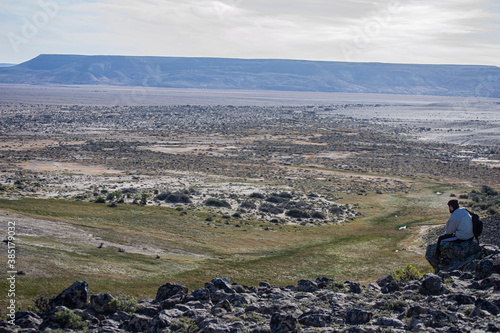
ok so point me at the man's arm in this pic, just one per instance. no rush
(451, 225)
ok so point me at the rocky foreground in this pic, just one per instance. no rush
(466, 300)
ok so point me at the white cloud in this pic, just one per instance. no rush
(458, 31)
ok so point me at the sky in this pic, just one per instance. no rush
(389, 31)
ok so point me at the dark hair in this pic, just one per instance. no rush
(453, 204)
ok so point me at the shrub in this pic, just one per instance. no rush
(100, 200)
(123, 303)
(270, 208)
(248, 204)
(178, 197)
(297, 213)
(68, 319)
(42, 303)
(488, 190)
(184, 324)
(162, 196)
(408, 273)
(275, 199)
(286, 195)
(257, 195)
(217, 203)
(318, 215)
(144, 198)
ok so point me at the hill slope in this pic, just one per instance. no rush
(257, 74)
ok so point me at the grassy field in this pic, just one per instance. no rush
(194, 251)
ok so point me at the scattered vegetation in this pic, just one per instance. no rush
(485, 201)
(123, 303)
(70, 320)
(406, 274)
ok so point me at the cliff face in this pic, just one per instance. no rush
(257, 74)
(455, 301)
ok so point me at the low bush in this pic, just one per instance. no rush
(257, 195)
(298, 213)
(248, 204)
(406, 274)
(270, 208)
(123, 303)
(217, 203)
(70, 320)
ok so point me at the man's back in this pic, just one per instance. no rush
(460, 224)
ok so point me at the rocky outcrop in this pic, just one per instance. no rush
(462, 300)
(454, 255)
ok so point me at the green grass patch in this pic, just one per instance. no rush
(195, 251)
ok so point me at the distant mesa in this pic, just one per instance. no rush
(257, 74)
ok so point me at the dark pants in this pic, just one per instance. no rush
(440, 239)
(446, 236)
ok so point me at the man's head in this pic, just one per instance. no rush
(453, 205)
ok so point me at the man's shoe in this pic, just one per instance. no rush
(433, 259)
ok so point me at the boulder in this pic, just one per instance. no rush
(75, 297)
(100, 303)
(307, 286)
(137, 323)
(358, 316)
(454, 255)
(431, 285)
(170, 290)
(316, 317)
(28, 319)
(282, 322)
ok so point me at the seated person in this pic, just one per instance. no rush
(458, 228)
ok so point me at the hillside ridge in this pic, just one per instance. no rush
(257, 74)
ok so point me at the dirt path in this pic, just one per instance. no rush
(418, 245)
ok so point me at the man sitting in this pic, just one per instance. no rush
(458, 228)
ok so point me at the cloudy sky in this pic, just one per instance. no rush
(393, 31)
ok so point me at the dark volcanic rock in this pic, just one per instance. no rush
(451, 301)
(75, 297)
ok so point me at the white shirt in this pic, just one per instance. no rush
(460, 224)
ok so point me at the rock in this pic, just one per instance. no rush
(223, 284)
(323, 282)
(417, 310)
(316, 317)
(450, 301)
(137, 323)
(28, 319)
(431, 284)
(282, 322)
(491, 282)
(75, 297)
(354, 287)
(307, 286)
(383, 281)
(358, 316)
(484, 269)
(170, 290)
(487, 306)
(100, 303)
(200, 294)
(454, 256)
(389, 322)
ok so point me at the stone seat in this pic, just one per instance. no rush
(454, 255)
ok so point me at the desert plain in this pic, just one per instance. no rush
(129, 188)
